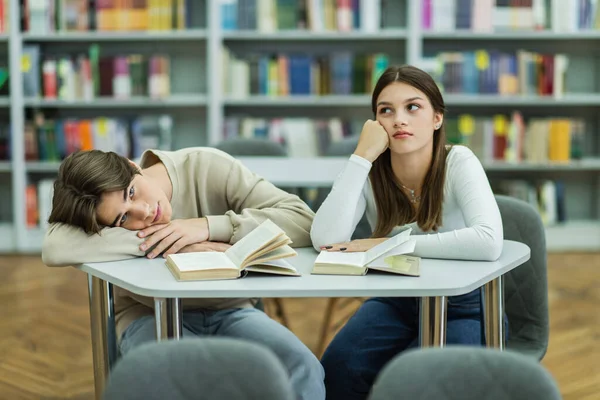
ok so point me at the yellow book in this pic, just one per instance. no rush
(262, 250)
(389, 256)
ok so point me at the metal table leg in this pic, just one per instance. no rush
(432, 321)
(168, 316)
(493, 313)
(104, 338)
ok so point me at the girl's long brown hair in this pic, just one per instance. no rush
(393, 205)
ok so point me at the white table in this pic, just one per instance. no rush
(439, 279)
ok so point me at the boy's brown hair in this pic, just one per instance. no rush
(82, 179)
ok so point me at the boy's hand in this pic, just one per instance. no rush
(206, 246)
(373, 141)
(355, 245)
(172, 237)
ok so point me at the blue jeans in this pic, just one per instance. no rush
(382, 328)
(304, 369)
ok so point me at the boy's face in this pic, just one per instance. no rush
(137, 207)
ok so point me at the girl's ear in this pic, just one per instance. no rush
(437, 120)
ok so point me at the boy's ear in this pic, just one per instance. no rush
(135, 165)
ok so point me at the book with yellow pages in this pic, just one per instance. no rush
(388, 256)
(262, 250)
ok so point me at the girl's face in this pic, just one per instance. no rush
(408, 117)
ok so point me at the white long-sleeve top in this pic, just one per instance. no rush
(471, 222)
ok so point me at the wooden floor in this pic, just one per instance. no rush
(45, 350)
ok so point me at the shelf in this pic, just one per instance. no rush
(574, 236)
(107, 102)
(5, 166)
(300, 101)
(579, 99)
(4, 101)
(588, 164)
(571, 99)
(35, 238)
(511, 35)
(4, 38)
(321, 171)
(291, 35)
(7, 244)
(191, 34)
(42, 166)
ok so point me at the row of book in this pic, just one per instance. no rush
(38, 203)
(496, 72)
(512, 139)
(301, 137)
(340, 73)
(547, 196)
(484, 15)
(54, 139)
(499, 138)
(5, 16)
(91, 75)
(313, 15)
(41, 17)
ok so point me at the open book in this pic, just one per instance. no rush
(389, 256)
(262, 250)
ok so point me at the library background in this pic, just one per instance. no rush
(520, 79)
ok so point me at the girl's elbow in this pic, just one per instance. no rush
(494, 249)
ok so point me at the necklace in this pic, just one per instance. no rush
(413, 197)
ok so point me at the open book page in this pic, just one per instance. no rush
(404, 248)
(280, 267)
(398, 264)
(269, 250)
(386, 246)
(357, 259)
(260, 237)
(200, 261)
(281, 252)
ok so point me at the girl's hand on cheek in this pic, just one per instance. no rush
(373, 141)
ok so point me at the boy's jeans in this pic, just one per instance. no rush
(305, 370)
(382, 328)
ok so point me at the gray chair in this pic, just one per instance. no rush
(257, 147)
(248, 147)
(526, 287)
(464, 373)
(199, 369)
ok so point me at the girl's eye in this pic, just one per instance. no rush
(413, 107)
(385, 110)
(131, 192)
(123, 219)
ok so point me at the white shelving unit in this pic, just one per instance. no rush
(203, 107)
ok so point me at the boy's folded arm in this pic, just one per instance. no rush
(252, 199)
(66, 245)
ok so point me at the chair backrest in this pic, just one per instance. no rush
(242, 147)
(526, 287)
(464, 373)
(199, 369)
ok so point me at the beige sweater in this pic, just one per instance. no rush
(206, 183)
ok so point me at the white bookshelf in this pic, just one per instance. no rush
(200, 106)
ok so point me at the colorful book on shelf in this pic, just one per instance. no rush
(262, 250)
(389, 256)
